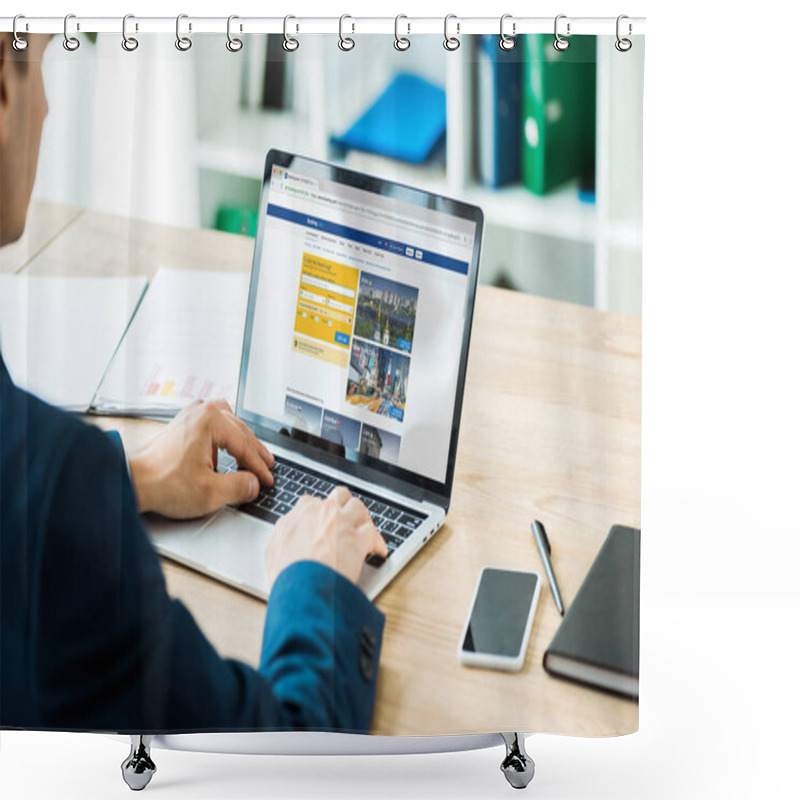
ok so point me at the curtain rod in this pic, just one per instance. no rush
(407, 25)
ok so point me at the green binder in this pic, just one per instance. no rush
(558, 108)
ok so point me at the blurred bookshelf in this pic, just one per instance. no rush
(556, 244)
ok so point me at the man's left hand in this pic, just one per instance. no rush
(176, 473)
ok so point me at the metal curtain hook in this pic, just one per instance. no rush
(451, 42)
(506, 42)
(71, 43)
(183, 43)
(233, 44)
(129, 43)
(560, 42)
(289, 43)
(345, 42)
(623, 45)
(401, 42)
(19, 43)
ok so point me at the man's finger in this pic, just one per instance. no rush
(340, 495)
(224, 406)
(221, 404)
(233, 488)
(376, 542)
(357, 511)
(305, 500)
(241, 445)
(265, 454)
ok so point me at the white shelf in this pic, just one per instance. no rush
(240, 146)
(560, 213)
(625, 235)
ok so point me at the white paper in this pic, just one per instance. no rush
(58, 334)
(185, 342)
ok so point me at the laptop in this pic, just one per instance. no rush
(353, 363)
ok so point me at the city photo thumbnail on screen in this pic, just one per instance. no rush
(379, 444)
(341, 430)
(301, 415)
(377, 379)
(386, 311)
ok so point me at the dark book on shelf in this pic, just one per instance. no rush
(498, 113)
(274, 92)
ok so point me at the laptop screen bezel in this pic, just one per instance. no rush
(367, 467)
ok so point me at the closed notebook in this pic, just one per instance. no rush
(558, 107)
(597, 642)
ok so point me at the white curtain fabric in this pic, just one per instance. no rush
(125, 107)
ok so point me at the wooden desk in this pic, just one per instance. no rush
(550, 429)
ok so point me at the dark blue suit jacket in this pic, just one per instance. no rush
(90, 640)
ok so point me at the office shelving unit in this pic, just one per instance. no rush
(555, 245)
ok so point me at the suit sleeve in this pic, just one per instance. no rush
(114, 652)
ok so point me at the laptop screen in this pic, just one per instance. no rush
(356, 320)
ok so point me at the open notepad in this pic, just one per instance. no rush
(184, 343)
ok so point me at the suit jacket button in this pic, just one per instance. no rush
(368, 638)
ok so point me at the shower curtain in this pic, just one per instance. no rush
(483, 349)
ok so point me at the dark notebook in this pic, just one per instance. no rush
(597, 642)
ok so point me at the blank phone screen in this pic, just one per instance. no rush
(501, 609)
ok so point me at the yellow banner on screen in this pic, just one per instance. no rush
(326, 302)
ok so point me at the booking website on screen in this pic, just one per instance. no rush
(359, 319)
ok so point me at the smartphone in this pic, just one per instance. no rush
(500, 620)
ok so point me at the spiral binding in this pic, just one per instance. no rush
(346, 43)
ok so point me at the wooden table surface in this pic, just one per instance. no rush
(551, 428)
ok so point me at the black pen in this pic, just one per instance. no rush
(543, 545)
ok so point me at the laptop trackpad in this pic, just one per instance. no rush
(232, 546)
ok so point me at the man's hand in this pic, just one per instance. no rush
(175, 474)
(337, 531)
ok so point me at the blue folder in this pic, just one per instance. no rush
(499, 120)
(406, 122)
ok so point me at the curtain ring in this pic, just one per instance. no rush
(345, 42)
(183, 43)
(560, 42)
(451, 42)
(506, 42)
(401, 42)
(70, 43)
(290, 44)
(19, 43)
(623, 45)
(233, 44)
(129, 43)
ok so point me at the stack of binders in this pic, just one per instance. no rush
(536, 112)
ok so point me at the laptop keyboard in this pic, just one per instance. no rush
(395, 523)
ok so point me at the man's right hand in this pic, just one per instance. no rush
(337, 531)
